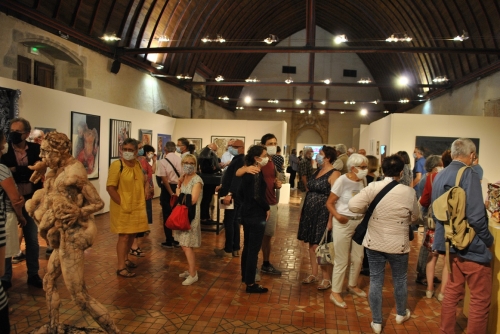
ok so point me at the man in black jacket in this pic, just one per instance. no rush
(19, 156)
(228, 191)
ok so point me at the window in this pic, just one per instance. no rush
(350, 73)
(289, 69)
(23, 69)
(44, 75)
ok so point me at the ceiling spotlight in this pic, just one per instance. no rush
(309, 112)
(260, 109)
(420, 95)
(158, 75)
(278, 110)
(340, 39)
(363, 112)
(219, 78)
(224, 98)
(327, 81)
(289, 80)
(184, 77)
(386, 111)
(206, 39)
(440, 79)
(271, 39)
(375, 102)
(403, 81)
(252, 80)
(302, 111)
(157, 66)
(323, 102)
(364, 81)
(248, 99)
(272, 101)
(298, 101)
(342, 112)
(462, 38)
(352, 102)
(399, 38)
(321, 112)
(346, 102)
(63, 35)
(110, 38)
(240, 108)
(220, 39)
(163, 38)
(405, 100)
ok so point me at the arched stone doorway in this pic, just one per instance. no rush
(303, 122)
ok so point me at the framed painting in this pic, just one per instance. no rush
(437, 145)
(38, 134)
(221, 142)
(197, 142)
(256, 141)
(162, 140)
(118, 131)
(146, 136)
(85, 140)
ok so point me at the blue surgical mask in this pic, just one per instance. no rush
(319, 159)
(141, 152)
(233, 151)
(415, 155)
(178, 149)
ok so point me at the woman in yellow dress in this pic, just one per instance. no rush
(125, 186)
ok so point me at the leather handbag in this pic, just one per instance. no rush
(360, 232)
(179, 218)
(324, 251)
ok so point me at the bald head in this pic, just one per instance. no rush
(213, 147)
(239, 145)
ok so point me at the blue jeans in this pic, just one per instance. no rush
(253, 233)
(232, 228)
(399, 268)
(30, 231)
(149, 210)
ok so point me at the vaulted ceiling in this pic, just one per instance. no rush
(245, 23)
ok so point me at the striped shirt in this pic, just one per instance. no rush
(5, 204)
(3, 296)
(4, 174)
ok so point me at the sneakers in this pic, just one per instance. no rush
(270, 270)
(440, 297)
(402, 318)
(19, 258)
(256, 288)
(377, 328)
(236, 253)
(184, 274)
(222, 253)
(190, 279)
(429, 294)
(35, 281)
(170, 244)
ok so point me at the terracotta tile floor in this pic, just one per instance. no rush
(156, 302)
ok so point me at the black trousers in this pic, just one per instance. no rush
(208, 194)
(253, 232)
(4, 320)
(293, 173)
(166, 210)
(232, 228)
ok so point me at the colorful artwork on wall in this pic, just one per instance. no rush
(85, 134)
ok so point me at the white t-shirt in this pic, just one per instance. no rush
(345, 189)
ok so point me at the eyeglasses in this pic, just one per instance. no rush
(361, 167)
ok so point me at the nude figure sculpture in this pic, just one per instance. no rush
(64, 210)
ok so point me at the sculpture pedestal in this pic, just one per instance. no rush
(285, 193)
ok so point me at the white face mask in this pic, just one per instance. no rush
(271, 150)
(128, 155)
(150, 155)
(264, 161)
(5, 148)
(361, 174)
(438, 169)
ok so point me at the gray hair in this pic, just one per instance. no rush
(432, 161)
(26, 124)
(341, 148)
(170, 146)
(462, 147)
(307, 149)
(355, 160)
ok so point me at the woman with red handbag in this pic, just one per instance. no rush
(125, 186)
(192, 185)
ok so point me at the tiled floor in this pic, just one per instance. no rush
(156, 302)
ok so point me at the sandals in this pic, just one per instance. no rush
(136, 252)
(310, 279)
(125, 273)
(130, 264)
(325, 284)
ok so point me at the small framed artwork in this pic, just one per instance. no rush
(38, 134)
(197, 142)
(118, 131)
(85, 134)
(221, 142)
(162, 140)
(256, 141)
(146, 136)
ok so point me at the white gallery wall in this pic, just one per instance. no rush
(399, 132)
(44, 107)
(251, 130)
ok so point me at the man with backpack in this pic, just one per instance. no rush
(467, 236)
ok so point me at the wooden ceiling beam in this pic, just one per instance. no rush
(293, 84)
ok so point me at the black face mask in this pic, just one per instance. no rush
(16, 137)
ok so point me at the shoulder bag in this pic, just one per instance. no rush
(179, 218)
(360, 232)
(324, 251)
